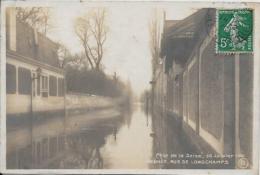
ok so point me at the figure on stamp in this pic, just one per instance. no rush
(232, 28)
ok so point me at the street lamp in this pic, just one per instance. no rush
(38, 75)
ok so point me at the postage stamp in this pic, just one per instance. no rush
(234, 31)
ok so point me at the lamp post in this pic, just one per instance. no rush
(38, 75)
(33, 78)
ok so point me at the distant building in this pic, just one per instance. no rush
(34, 78)
(211, 94)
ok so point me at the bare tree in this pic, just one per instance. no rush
(66, 58)
(154, 29)
(91, 29)
(37, 17)
(64, 55)
(79, 60)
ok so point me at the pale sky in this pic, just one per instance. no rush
(127, 49)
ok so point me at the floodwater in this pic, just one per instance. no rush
(115, 138)
(127, 138)
(109, 138)
(131, 147)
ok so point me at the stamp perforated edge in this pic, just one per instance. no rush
(216, 33)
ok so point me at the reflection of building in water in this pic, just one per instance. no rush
(210, 95)
(44, 151)
(159, 138)
(37, 148)
(60, 144)
(34, 79)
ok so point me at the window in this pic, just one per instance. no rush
(44, 86)
(53, 86)
(10, 79)
(60, 87)
(24, 81)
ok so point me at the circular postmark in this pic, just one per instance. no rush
(242, 163)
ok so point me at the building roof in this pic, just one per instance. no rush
(168, 24)
(34, 45)
(188, 26)
(181, 38)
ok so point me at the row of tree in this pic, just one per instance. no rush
(92, 81)
(84, 70)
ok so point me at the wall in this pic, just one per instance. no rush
(208, 96)
(77, 101)
(193, 93)
(246, 66)
(214, 97)
(160, 86)
(212, 91)
(177, 88)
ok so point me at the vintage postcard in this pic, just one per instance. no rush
(120, 87)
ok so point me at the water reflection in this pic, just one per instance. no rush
(109, 138)
(83, 150)
(167, 141)
(133, 146)
(123, 138)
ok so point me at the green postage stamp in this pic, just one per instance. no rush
(234, 31)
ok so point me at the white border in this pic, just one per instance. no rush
(3, 90)
(256, 89)
(228, 4)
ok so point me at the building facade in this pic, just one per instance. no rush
(34, 78)
(210, 94)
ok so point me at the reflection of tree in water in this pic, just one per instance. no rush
(96, 160)
(84, 150)
(84, 147)
(126, 113)
(146, 108)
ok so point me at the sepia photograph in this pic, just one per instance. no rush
(129, 86)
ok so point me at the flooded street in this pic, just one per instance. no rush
(100, 139)
(131, 147)
(114, 138)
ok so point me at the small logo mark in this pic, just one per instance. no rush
(242, 163)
